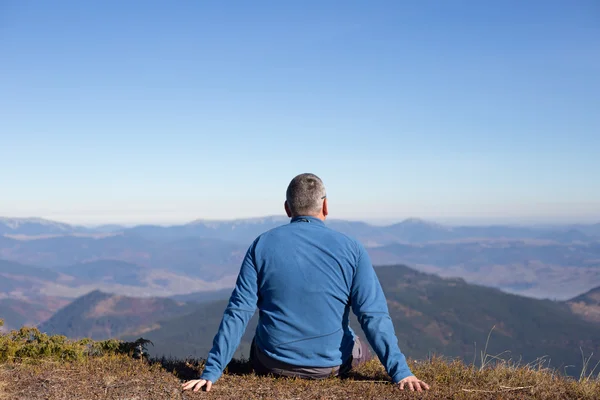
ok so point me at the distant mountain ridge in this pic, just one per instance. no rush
(35, 226)
(534, 261)
(412, 230)
(211, 258)
(101, 315)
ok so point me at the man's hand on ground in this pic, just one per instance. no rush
(197, 384)
(413, 384)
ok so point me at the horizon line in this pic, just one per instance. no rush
(474, 221)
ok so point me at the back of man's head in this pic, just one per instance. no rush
(305, 195)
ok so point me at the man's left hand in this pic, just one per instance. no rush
(197, 384)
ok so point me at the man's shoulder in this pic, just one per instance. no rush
(273, 234)
(348, 238)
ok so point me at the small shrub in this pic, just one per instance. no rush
(29, 344)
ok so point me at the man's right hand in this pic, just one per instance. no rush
(413, 384)
(197, 384)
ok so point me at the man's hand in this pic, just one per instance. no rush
(197, 384)
(413, 383)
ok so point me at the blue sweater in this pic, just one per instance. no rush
(304, 278)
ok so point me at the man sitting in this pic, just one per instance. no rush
(304, 278)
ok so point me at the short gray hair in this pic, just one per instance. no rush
(305, 195)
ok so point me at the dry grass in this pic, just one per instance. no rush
(3, 394)
(108, 377)
(120, 377)
(37, 366)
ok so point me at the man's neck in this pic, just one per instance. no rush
(318, 216)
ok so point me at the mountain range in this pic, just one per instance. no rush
(543, 262)
(44, 265)
(431, 315)
(412, 230)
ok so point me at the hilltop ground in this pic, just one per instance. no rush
(121, 377)
(35, 366)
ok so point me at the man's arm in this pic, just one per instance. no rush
(240, 309)
(369, 305)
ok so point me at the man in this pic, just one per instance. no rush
(304, 278)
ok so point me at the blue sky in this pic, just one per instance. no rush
(157, 111)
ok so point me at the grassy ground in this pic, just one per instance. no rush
(121, 377)
(37, 366)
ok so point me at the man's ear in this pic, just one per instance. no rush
(325, 207)
(287, 209)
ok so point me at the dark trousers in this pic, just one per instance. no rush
(265, 365)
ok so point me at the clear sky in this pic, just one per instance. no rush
(168, 111)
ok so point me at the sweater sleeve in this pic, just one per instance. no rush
(370, 307)
(241, 308)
